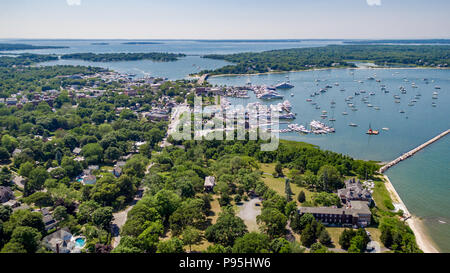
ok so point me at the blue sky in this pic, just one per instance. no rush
(224, 19)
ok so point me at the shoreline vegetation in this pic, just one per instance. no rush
(142, 43)
(10, 47)
(318, 69)
(117, 57)
(332, 56)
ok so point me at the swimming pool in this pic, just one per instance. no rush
(80, 242)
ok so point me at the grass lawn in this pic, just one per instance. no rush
(381, 195)
(335, 232)
(215, 209)
(375, 234)
(200, 247)
(18, 194)
(277, 184)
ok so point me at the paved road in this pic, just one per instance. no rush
(120, 217)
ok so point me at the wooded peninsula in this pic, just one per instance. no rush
(331, 56)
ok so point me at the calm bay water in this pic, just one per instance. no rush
(424, 185)
(181, 69)
(422, 181)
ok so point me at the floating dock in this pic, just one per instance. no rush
(413, 151)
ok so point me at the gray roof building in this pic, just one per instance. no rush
(6, 194)
(354, 190)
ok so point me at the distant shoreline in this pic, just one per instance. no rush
(319, 69)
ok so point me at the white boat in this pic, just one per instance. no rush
(284, 85)
(385, 129)
(344, 113)
(287, 105)
(353, 124)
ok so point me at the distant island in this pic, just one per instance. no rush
(141, 43)
(7, 47)
(100, 44)
(251, 41)
(417, 41)
(296, 59)
(117, 57)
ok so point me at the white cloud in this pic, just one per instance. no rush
(78, 2)
(374, 2)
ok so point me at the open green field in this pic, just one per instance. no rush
(381, 196)
(277, 184)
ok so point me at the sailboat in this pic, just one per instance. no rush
(372, 132)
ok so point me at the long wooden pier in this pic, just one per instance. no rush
(413, 151)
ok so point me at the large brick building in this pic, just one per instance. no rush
(356, 214)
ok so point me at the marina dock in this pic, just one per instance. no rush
(413, 151)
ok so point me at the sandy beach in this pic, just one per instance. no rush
(422, 239)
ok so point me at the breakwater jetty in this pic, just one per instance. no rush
(413, 151)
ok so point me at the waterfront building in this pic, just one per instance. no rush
(356, 214)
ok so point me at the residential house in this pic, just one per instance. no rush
(77, 151)
(6, 194)
(59, 241)
(354, 191)
(89, 180)
(117, 171)
(210, 182)
(48, 219)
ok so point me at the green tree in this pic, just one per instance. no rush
(36, 181)
(26, 168)
(287, 190)
(227, 228)
(85, 211)
(346, 237)
(279, 169)
(4, 155)
(60, 213)
(149, 238)
(93, 153)
(173, 245)
(252, 243)
(40, 199)
(5, 213)
(13, 247)
(102, 217)
(29, 237)
(301, 197)
(272, 222)
(329, 178)
(324, 238)
(318, 248)
(308, 236)
(191, 236)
